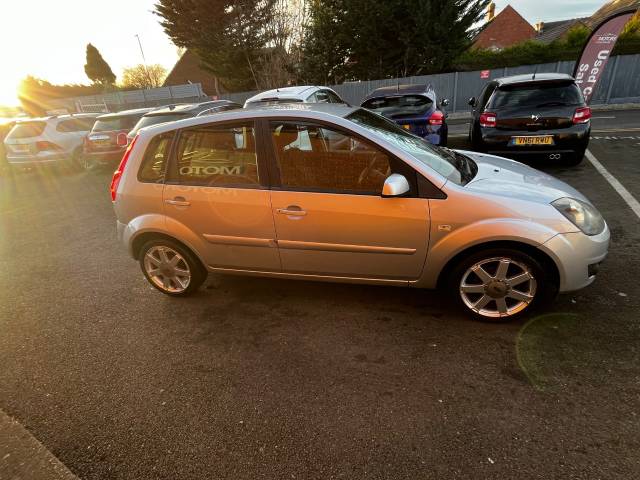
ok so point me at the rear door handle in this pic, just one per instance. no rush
(178, 202)
(292, 211)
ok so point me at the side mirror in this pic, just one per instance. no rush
(472, 101)
(445, 102)
(395, 185)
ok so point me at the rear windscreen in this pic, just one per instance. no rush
(399, 105)
(156, 119)
(115, 123)
(540, 95)
(27, 130)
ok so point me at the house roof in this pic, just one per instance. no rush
(506, 29)
(552, 31)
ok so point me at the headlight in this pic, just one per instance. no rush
(582, 214)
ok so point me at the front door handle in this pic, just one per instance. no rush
(292, 211)
(178, 202)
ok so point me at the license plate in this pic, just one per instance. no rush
(533, 140)
(406, 127)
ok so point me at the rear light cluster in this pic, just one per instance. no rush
(488, 120)
(582, 115)
(44, 146)
(436, 118)
(117, 175)
(122, 140)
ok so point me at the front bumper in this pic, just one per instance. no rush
(577, 256)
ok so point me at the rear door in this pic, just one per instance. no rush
(218, 192)
(329, 214)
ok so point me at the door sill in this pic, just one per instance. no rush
(311, 277)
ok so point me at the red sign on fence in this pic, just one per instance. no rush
(485, 73)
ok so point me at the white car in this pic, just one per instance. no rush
(48, 141)
(303, 94)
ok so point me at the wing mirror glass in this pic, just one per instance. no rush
(472, 101)
(445, 102)
(395, 185)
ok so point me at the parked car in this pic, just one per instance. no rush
(529, 116)
(6, 124)
(414, 107)
(303, 94)
(337, 193)
(172, 113)
(48, 141)
(107, 141)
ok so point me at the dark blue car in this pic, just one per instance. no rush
(414, 107)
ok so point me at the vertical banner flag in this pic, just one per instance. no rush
(597, 50)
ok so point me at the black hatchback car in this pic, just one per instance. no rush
(539, 115)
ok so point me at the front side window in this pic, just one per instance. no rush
(154, 163)
(316, 158)
(218, 156)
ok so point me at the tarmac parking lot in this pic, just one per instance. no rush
(260, 378)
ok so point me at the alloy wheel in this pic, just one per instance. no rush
(497, 287)
(167, 269)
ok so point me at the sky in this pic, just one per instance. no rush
(47, 38)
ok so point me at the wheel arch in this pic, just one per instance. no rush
(144, 237)
(547, 262)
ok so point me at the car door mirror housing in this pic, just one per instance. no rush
(472, 101)
(445, 102)
(395, 185)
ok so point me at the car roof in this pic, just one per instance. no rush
(534, 78)
(125, 113)
(187, 107)
(400, 89)
(295, 93)
(310, 110)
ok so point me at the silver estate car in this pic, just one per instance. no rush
(338, 193)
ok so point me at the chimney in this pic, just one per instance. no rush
(539, 27)
(491, 11)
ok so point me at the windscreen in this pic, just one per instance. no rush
(538, 95)
(27, 130)
(112, 124)
(401, 105)
(434, 157)
(147, 121)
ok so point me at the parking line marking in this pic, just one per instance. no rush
(602, 117)
(613, 181)
(614, 130)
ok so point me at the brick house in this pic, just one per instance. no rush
(503, 30)
(188, 70)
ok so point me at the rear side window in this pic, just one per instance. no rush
(75, 125)
(154, 163)
(218, 156)
(27, 130)
(399, 105)
(115, 123)
(540, 95)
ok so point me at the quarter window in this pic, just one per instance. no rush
(218, 156)
(315, 158)
(154, 163)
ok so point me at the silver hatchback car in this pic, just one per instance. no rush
(338, 193)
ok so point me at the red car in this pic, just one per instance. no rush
(108, 140)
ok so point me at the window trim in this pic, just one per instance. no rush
(396, 164)
(170, 152)
(173, 178)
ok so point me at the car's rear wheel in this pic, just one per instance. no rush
(171, 268)
(500, 284)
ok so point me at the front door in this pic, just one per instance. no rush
(217, 194)
(329, 214)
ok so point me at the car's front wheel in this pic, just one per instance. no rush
(171, 268)
(500, 284)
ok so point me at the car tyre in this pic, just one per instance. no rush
(510, 284)
(171, 268)
(575, 159)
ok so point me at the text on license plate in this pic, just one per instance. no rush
(539, 140)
